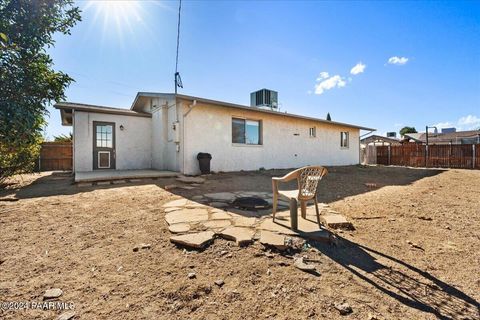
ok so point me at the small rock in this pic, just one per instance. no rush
(269, 272)
(52, 293)
(372, 316)
(219, 282)
(119, 269)
(343, 308)
(142, 246)
(192, 275)
(300, 264)
(66, 315)
(223, 252)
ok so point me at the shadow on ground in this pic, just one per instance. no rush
(341, 182)
(409, 285)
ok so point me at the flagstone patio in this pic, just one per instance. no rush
(196, 223)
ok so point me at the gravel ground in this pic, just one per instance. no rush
(414, 253)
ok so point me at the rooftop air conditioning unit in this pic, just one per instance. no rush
(265, 99)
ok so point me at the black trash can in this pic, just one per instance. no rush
(204, 162)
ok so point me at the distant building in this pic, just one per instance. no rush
(449, 130)
(392, 134)
(455, 137)
(377, 140)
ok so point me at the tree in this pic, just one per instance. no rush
(63, 138)
(406, 130)
(328, 117)
(27, 80)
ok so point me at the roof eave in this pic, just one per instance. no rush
(233, 105)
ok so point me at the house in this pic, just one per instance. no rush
(166, 131)
(449, 137)
(377, 140)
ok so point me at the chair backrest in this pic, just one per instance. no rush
(308, 179)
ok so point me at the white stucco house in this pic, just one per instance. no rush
(166, 131)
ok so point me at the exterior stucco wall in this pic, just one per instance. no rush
(133, 144)
(208, 128)
(166, 152)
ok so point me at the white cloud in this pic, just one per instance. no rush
(323, 75)
(359, 68)
(329, 83)
(398, 60)
(446, 124)
(469, 122)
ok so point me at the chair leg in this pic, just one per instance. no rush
(317, 211)
(303, 206)
(294, 213)
(274, 205)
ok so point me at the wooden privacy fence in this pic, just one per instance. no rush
(465, 156)
(55, 156)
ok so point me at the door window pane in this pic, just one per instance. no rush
(344, 139)
(104, 136)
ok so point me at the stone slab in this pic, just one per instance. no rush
(119, 181)
(242, 236)
(193, 204)
(186, 216)
(336, 221)
(268, 238)
(191, 179)
(218, 204)
(194, 240)
(103, 183)
(221, 196)
(277, 226)
(220, 215)
(199, 197)
(217, 224)
(179, 228)
(171, 209)
(244, 221)
(176, 203)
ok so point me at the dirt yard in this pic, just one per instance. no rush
(414, 253)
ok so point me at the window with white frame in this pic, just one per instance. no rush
(313, 132)
(246, 131)
(344, 139)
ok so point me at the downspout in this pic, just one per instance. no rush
(190, 108)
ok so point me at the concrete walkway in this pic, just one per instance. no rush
(107, 175)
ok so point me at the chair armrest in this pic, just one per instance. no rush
(288, 177)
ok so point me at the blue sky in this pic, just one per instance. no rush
(320, 56)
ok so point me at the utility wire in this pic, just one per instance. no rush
(178, 80)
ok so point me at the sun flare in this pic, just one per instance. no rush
(122, 15)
